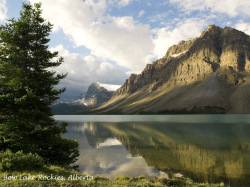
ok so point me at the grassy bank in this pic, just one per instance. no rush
(57, 176)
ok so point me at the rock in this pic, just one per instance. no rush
(97, 95)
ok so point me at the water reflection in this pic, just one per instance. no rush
(101, 153)
(204, 152)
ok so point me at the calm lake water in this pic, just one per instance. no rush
(205, 148)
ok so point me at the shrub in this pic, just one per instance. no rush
(19, 161)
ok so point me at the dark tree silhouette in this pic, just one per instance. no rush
(27, 89)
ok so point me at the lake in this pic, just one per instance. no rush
(205, 148)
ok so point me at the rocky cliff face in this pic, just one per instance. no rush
(210, 70)
(97, 95)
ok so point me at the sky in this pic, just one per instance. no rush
(107, 40)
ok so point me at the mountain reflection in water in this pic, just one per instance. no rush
(205, 152)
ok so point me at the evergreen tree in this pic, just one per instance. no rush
(27, 90)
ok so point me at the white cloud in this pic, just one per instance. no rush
(126, 22)
(244, 27)
(110, 87)
(158, 17)
(84, 70)
(141, 13)
(120, 39)
(230, 7)
(3, 10)
(166, 37)
(119, 3)
(124, 2)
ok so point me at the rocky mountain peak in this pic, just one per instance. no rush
(211, 30)
(93, 89)
(96, 94)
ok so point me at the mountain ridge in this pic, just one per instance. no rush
(209, 70)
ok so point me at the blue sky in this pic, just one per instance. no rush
(107, 40)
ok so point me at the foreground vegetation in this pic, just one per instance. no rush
(19, 169)
(96, 181)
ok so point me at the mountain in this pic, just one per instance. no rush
(207, 74)
(95, 95)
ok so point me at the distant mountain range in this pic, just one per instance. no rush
(207, 74)
(95, 95)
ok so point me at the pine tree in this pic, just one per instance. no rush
(27, 89)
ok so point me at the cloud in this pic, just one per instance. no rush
(120, 39)
(110, 87)
(141, 13)
(84, 70)
(119, 3)
(166, 36)
(124, 2)
(159, 17)
(3, 10)
(244, 27)
(230, 7)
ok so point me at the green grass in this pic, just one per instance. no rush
(96, 181)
